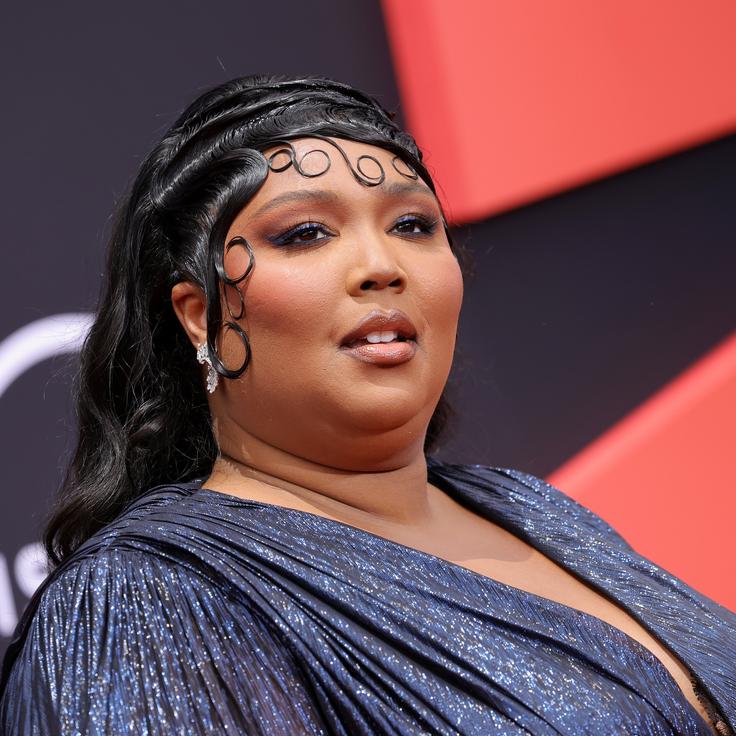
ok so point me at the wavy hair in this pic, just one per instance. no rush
(142, 412)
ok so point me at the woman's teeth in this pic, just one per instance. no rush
(397, 348)
(375, 337)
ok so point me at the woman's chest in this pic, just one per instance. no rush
(541, 576)
(488, 549)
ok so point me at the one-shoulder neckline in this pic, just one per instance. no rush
(229, 498)
(484, 580)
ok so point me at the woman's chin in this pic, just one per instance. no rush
(378, 420)
(377, 452)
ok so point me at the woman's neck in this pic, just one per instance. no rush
(398, 495)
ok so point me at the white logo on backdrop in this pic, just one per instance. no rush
(59, 334)
(30, 571)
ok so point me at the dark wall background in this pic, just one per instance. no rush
(580, 306)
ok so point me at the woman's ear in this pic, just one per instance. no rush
(190, 306)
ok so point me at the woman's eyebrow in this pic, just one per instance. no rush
(401, 189)
(396, 189)
(310, 195)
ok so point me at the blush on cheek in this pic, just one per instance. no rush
(276, 286)
(442, 290)
(288, 300)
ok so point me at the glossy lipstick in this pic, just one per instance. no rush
(382, 338)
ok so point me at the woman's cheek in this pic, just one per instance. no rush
(455, 288)
(442, 289)
(287, 300)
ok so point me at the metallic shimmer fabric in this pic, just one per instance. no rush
(201, 613)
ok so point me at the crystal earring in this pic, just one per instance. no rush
(203, 357)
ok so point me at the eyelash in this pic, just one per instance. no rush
(429, 226)
(286, 238)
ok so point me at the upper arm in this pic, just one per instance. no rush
(129, 643)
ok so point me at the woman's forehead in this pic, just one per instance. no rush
(303, 161)
(315, 170)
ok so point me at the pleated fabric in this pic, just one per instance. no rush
(196, 612)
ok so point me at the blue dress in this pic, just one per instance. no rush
(197, 612)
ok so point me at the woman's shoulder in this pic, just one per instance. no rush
(519, 493)
(151, 524)
(120, 636)
(91, 590)
(122, 571)
(484, 475)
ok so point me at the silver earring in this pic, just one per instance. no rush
(203, 357)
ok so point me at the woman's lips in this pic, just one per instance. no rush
(382, 338)
(383, 353)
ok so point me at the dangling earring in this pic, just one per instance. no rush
(203, 357)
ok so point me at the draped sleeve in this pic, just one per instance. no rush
(125, 642)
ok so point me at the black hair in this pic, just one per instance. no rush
(142, 412)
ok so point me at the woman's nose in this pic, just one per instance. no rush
(375, 267)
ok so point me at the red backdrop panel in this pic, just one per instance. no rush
(665, 476)
(515, 100)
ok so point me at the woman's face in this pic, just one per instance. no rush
(328, 252)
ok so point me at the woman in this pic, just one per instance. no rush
(252, 537)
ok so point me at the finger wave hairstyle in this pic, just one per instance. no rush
(142, 412)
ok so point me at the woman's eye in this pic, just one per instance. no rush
(307, 232)
(413, 225)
